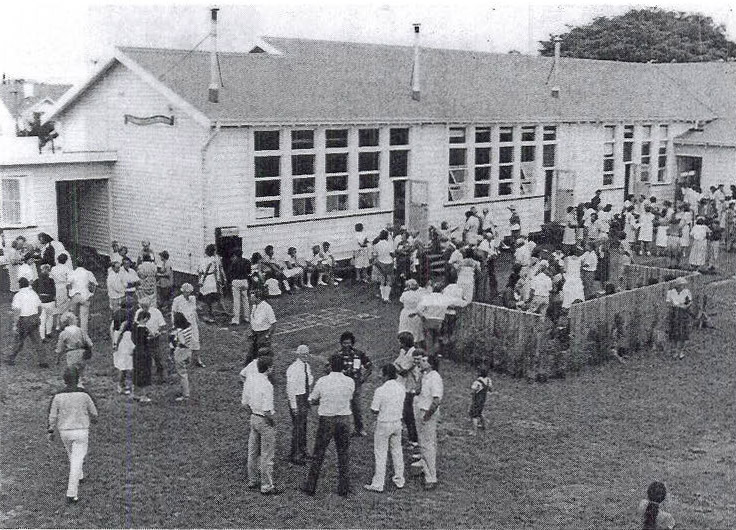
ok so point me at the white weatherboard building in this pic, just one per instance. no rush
(308, 138)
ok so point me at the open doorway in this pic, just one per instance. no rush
(399, 202)
(82, 214)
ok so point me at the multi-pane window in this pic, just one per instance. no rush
(528, 157)
(505, 161)
(458, 165)
(303, 184)
(483, 159)
(302, 140)
(336, 138)
(399, 136)
(628, 143)
(608, 153)
(266, 140)
(10, 201)
(369, 178)
(368, 137)
(336, 175)
(662, 158)
(398, 162)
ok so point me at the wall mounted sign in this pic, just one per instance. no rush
(149, 120)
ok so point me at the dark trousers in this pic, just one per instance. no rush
(337, 427)
(158, 356)
(408, 417)
(299, 428)
(355, 408)
(259, 339)
(28, 327)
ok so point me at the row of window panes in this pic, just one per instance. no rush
(628, 131)
(10, 202)
(505, 134)
(334, 138)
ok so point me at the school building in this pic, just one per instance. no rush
(303, 139)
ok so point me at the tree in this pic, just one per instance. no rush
(646, 35)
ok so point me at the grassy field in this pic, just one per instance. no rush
(573, 453)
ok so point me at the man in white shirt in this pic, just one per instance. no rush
(487, 221)
(426, 411)
(262, 438)
(82, 284)
(388, 404)
(115, 286)
(156, 325)
(27, 310)
(262, 318)
(246, 376)
(409, 376)
(298, 381)
(130, 281)
(333, 393)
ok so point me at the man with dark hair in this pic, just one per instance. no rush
(262, 318)
(358, 366)
(426, 411)
(262, 439)
(333, 394)
(239, 273)
(388, 402)
(26, 307)
(409, 376)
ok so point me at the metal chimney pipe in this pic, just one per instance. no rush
(415, 91)
(555, 68)
(214, 90)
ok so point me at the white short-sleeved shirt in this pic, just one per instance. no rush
(541, 284)
(79, 281)
(334, 392)
(26, 302)
(388, 401)
(260, 394)
(383, 251)
(129, 276)
(247, 375)
(432, 387)
(262, 317)
(679, 299)
(298, 380)
(664, 521)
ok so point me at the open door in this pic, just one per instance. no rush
(67, 208)
(417, 218)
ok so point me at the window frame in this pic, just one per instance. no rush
(21, 219)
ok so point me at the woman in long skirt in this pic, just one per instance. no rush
(699, 246)
(572, 289)
(571, 225)
(679, 300)
(467, 272)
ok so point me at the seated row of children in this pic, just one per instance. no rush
(293, 272)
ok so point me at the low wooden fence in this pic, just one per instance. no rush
(504, 339)
(520, 343)
(631, 319)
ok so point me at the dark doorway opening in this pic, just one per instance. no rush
(549, 177)
(67, 208)
(399, 202)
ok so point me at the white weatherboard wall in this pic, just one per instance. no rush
(719, 164)
(38, 192)
(156, 190)
(430, 161)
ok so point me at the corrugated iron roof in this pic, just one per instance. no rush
(327, 81)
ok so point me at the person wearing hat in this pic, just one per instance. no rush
(679, 300)
(186, 304)
(299, 380)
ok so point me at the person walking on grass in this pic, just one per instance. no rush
(298, 382)
(26, 307)
(240, 271)
(75, 344)
(71, 412)
(679, 301)
(387, 404)
(652, 515)
(186, 304)
(156, 325)
(262, 438)
(426, 412)
(333, 394)
(82, 285)
(45, 286)
(142, 362)
(164, 280)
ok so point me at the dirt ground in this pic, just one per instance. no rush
(572, 453)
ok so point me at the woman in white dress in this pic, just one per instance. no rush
(409, 319)
(572, 289)
(646, 231)
(699, 245)
(466, 271)
(569, 237)
(210, 276)
(186, 304)
(361, 255)
(662, 222)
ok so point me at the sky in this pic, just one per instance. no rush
(60, 41)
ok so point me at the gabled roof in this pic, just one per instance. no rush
(718, 133)
(322, 81)
(311, 81)
(41, 91)
(713, 83)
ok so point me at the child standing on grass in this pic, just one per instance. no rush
(479, 390)
(653, 517)
(122, 355)
(181, 342)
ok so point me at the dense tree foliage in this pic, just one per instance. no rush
(644, 35)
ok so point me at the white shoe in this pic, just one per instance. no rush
(144, 399)
(418, 463)
(310, 286)
(399, 483)
(234, 323)
(371, 487)
(321, 283)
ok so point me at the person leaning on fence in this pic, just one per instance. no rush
(679, 299)
(70, 413)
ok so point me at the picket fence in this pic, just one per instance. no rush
(520, 343)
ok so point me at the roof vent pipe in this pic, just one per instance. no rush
(555, 68)
(415, 92)
(214, 90)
